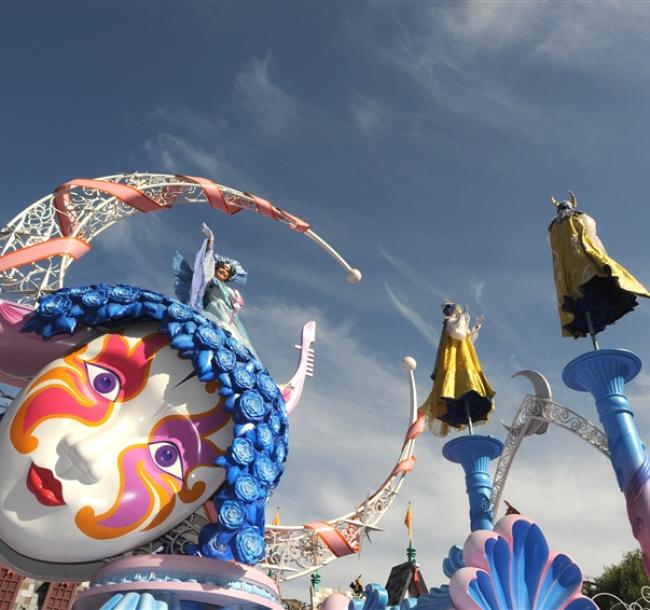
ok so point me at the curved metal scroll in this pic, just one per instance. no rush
(535, 409)
(293, 551)
(40, 243)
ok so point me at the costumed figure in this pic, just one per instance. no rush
(357, 587)
(207, 287)
(593, 290)
(153, 412)
(461, 394)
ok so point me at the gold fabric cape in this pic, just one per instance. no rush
(457, 371)
(578, 259)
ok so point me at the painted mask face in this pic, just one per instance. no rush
(103, 451)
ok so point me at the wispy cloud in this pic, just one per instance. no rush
(273, 108)
(368, 114)
(420, 281)
(470, 57)
(504, 328)
(426, 329)
(173, 152)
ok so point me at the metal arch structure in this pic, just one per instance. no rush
(536, 409)
(294, 551)
(40, 243)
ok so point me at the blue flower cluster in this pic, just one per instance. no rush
(255, 460)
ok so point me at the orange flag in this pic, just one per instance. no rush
(408, 521)
(276, 517)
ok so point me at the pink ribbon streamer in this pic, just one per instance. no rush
(213, 194)
(266, 208)
(404, 466)
(333, 539)
(126, 194)
(59, 246)
(416, 428)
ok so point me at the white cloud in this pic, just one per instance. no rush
(426, 329)
(175, 154)
(420, 281)
(368, 114)
(272, 108)
(469, 56)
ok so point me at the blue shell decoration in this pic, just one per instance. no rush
(513, 568)
(255, 460)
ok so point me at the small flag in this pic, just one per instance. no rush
(276, 517)
(408, 521)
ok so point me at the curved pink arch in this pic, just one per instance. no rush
(59, 246)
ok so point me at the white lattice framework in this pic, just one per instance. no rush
(79, 212)
(294, 551)
(535, 409)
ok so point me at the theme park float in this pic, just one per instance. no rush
(146, 436)
(509, 564)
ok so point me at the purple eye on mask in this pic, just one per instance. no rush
(104, 382)
(167, 457)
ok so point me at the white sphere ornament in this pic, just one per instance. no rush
(409, 364)
(354, 276)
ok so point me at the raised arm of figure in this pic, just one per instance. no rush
(209, 235)
(478, 322)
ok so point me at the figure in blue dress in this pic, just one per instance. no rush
(207, 287)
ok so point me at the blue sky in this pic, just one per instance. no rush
(423, 140)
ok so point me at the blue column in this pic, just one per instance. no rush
(474, 453)
(604, 373)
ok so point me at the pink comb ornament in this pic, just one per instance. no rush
(292, 390)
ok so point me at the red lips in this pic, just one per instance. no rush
(45, 486)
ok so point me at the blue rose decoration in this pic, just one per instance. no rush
(54, 305)
(94, 298)
(249, 546)
(251, 406)
(151, 297)
(209, 337)
(265, 469)
(239, 348)
(242, 451)
(281, 452)
(232, 515)
(264, 436)
(74, 291)
(266, 385)
(179, 312)
(244, 379)
(225, 359)
(274, 422)
(124, 294)
(247, 488)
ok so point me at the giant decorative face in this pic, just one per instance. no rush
(104, 451)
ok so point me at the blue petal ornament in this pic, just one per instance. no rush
(54, 305)
(251, 407)
(242, 451)
(243, 378)
(247, 488)
(231, 514)
(225, 359)
(124, 294)
(266, 386)
(179, 312)
(209, 337)
(249, 545)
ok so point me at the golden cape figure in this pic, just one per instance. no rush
(459, 383)
(588, 282)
